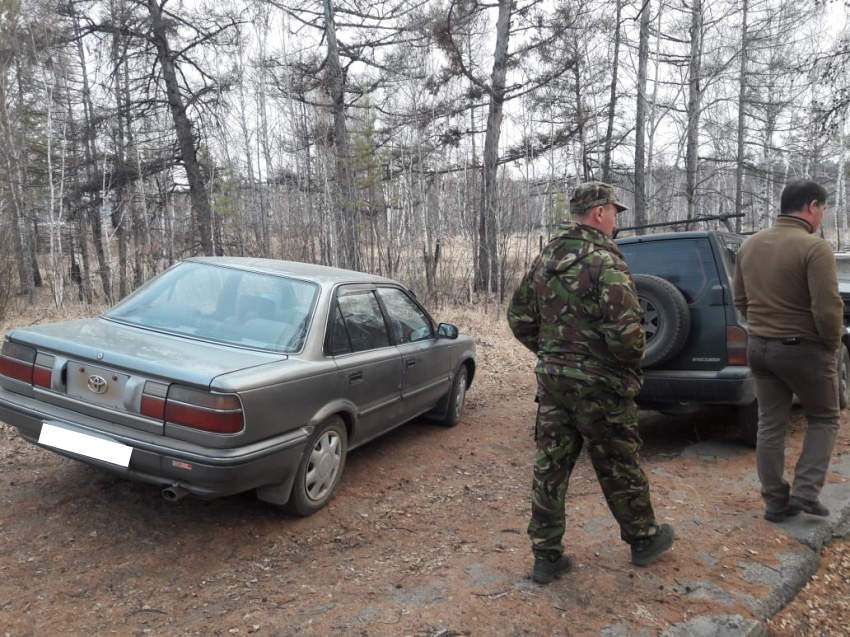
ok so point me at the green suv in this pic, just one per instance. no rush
(696, 342)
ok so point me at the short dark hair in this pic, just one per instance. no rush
(798, 194)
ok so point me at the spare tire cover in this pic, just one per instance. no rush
(666, 318)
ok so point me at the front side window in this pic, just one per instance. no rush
(408, 322)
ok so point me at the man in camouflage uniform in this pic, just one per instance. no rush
(578, 310)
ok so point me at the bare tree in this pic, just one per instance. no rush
(640, 117)
(694, 106)
(612, 102)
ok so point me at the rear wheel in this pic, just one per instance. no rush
(320, 469)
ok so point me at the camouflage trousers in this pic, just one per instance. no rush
(570, 414)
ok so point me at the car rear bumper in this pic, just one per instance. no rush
(154, 459)
(732, 385)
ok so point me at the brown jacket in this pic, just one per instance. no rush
(786, 285)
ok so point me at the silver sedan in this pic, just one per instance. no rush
(229, 374)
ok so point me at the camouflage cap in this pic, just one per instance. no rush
(591, 194)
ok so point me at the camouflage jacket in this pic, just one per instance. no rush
(577, 308)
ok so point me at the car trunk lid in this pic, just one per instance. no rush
(106, 369)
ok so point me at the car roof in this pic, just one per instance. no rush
(319, 273)
(689, 234)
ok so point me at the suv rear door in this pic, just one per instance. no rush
(690, 263)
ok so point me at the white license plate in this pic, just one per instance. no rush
(85, 445)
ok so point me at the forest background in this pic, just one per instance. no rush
(431, 141)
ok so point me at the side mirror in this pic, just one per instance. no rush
(447, 330)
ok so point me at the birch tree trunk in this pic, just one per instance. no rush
(54, 207)
(841, 189)
(742, 100)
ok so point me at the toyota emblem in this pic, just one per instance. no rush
(97, 384)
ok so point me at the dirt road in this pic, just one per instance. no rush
(426, 536)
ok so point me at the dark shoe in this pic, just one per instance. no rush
(545, 570)
(812, 507)
(645, 551)
(780, 516)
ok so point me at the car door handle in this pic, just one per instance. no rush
(410, 362)
(355, 377)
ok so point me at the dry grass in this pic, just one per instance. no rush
(505, 367)
(21, 314)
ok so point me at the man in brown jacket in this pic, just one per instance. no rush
(787, 290)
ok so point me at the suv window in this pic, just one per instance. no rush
(730, 244)
(683, 262)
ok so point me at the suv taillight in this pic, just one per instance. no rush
(219, 413)
(736, 345)
(26, 364)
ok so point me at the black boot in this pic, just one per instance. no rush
(812, 507)
(545, 570)
(645, 551)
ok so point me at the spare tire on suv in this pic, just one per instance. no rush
(666, 318)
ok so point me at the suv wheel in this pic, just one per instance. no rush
(748, 422)
(666, 318)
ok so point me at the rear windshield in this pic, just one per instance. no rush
(686, 263)
(224, 305)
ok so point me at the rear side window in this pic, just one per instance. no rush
(686, 263)
(729, 246)
(358, 325)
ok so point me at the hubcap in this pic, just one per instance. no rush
(461, 395)
(650, 320)
(323, 466)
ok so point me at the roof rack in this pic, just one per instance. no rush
(724, 218)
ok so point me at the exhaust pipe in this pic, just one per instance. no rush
(174, 492)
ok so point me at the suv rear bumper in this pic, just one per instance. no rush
(732, 385)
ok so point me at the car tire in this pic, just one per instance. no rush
(748, 422)
(457, 396)
(666, 318)
(843, 377)
(320, 468)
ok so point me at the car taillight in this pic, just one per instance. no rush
(42, 372)
(220, 413)
(26, 364)
(153, 400)
(736, 345)
(17, 361)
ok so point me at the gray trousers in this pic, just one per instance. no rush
(810, 371)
